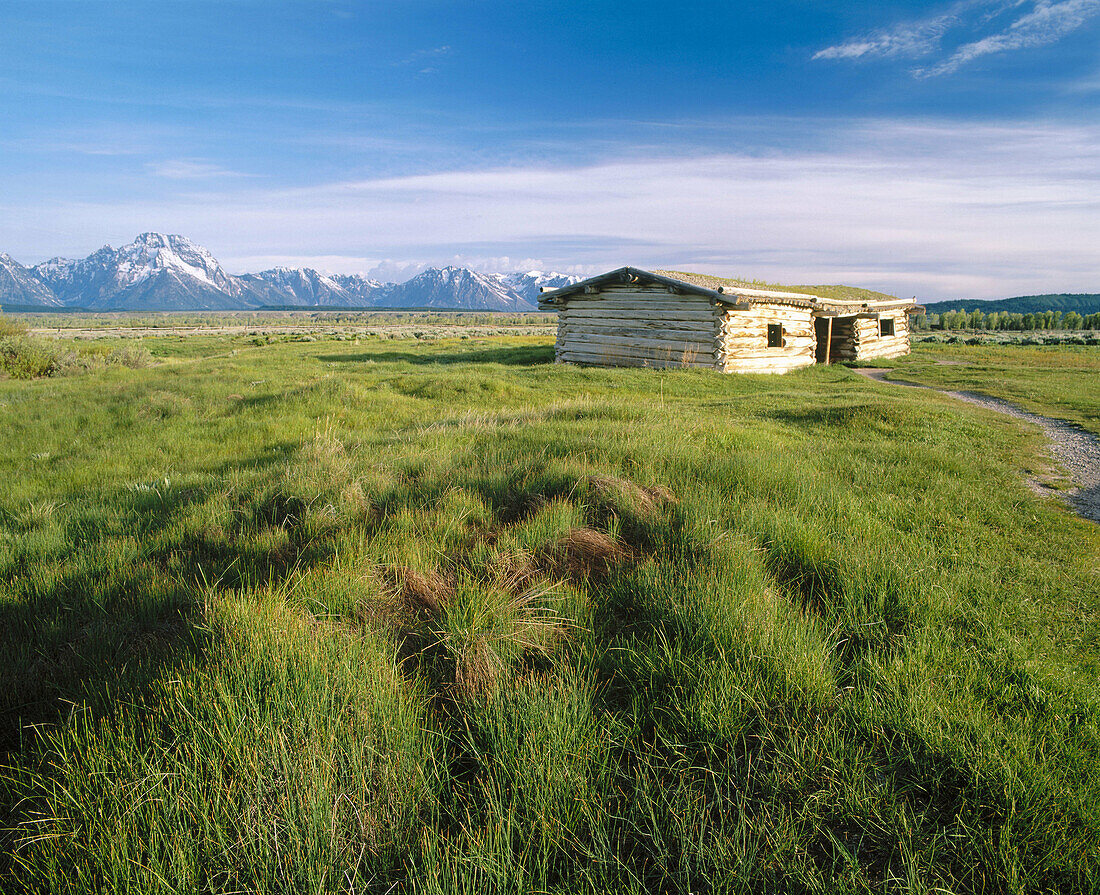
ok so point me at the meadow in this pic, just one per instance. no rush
(439, 615)
(1059, 382)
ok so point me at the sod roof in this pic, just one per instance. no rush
(831, 293)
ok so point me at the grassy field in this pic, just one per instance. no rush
(411, 616)
(1062, 382)
(273, 324)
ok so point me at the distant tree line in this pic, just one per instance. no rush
(1008, 322)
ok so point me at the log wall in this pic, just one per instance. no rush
(638, 326)
(648, 325)
(744, 338)
(868, 342)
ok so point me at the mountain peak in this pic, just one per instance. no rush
(159, 271)
(155, 240)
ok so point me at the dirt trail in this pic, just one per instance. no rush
(1075, 449)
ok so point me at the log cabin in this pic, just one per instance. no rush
(637, 318)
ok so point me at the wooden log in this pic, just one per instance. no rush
(642, 338)
(801, 359)
(669, 302)
(645, 344)
(762, 339)
(639, 317)
(758, 310)
(583, 298)
(762, 342)
(652, 289)
(628, 313)
(771, 370)
(635, 361)
(702, 329)
(633, 346)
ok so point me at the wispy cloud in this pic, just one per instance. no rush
(1045, 24)
(935, 209)
(190, 169)
(422, 57)
(907, 40)
(980, 28)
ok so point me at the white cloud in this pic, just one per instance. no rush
(190, 169)
(1088, 84)
(421, 56)
(933, 209)
(1046, 22)
(389, 271)
(909, 39)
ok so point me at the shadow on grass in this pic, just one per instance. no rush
(1086, 501)
(522, 356)
(96, 624)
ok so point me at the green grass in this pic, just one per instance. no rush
(1061, 382)
(439, 617)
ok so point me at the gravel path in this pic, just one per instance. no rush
(1075, 449)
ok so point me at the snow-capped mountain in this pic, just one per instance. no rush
(528, 285)
(20, 285)
(302, 286)
(153, 273)
(361, 291)
(170, 273)
(452, 287)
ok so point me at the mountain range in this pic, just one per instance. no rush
(170, 273)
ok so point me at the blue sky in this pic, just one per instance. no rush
(933, 149)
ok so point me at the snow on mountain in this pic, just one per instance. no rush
(455, 287)
(362, 291)
(169, 272)
(151, 253)
(529, 284)
(78, 282)
(299, 286)
(154, 272)
(20, 285)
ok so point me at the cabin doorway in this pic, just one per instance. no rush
(836, 340)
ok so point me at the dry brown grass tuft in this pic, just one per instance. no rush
(644, 500)
(587, 553)
(515, 571)
(492, 633)
(478, 670)
(413, 596)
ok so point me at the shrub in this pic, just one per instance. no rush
(133, 356)
(25, 358)
(10, 327)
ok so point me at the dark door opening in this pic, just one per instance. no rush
(835, 339)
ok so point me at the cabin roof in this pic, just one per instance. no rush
(727, 293)
(842, 301)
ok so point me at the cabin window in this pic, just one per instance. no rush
(886, 326)
(775, 335)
